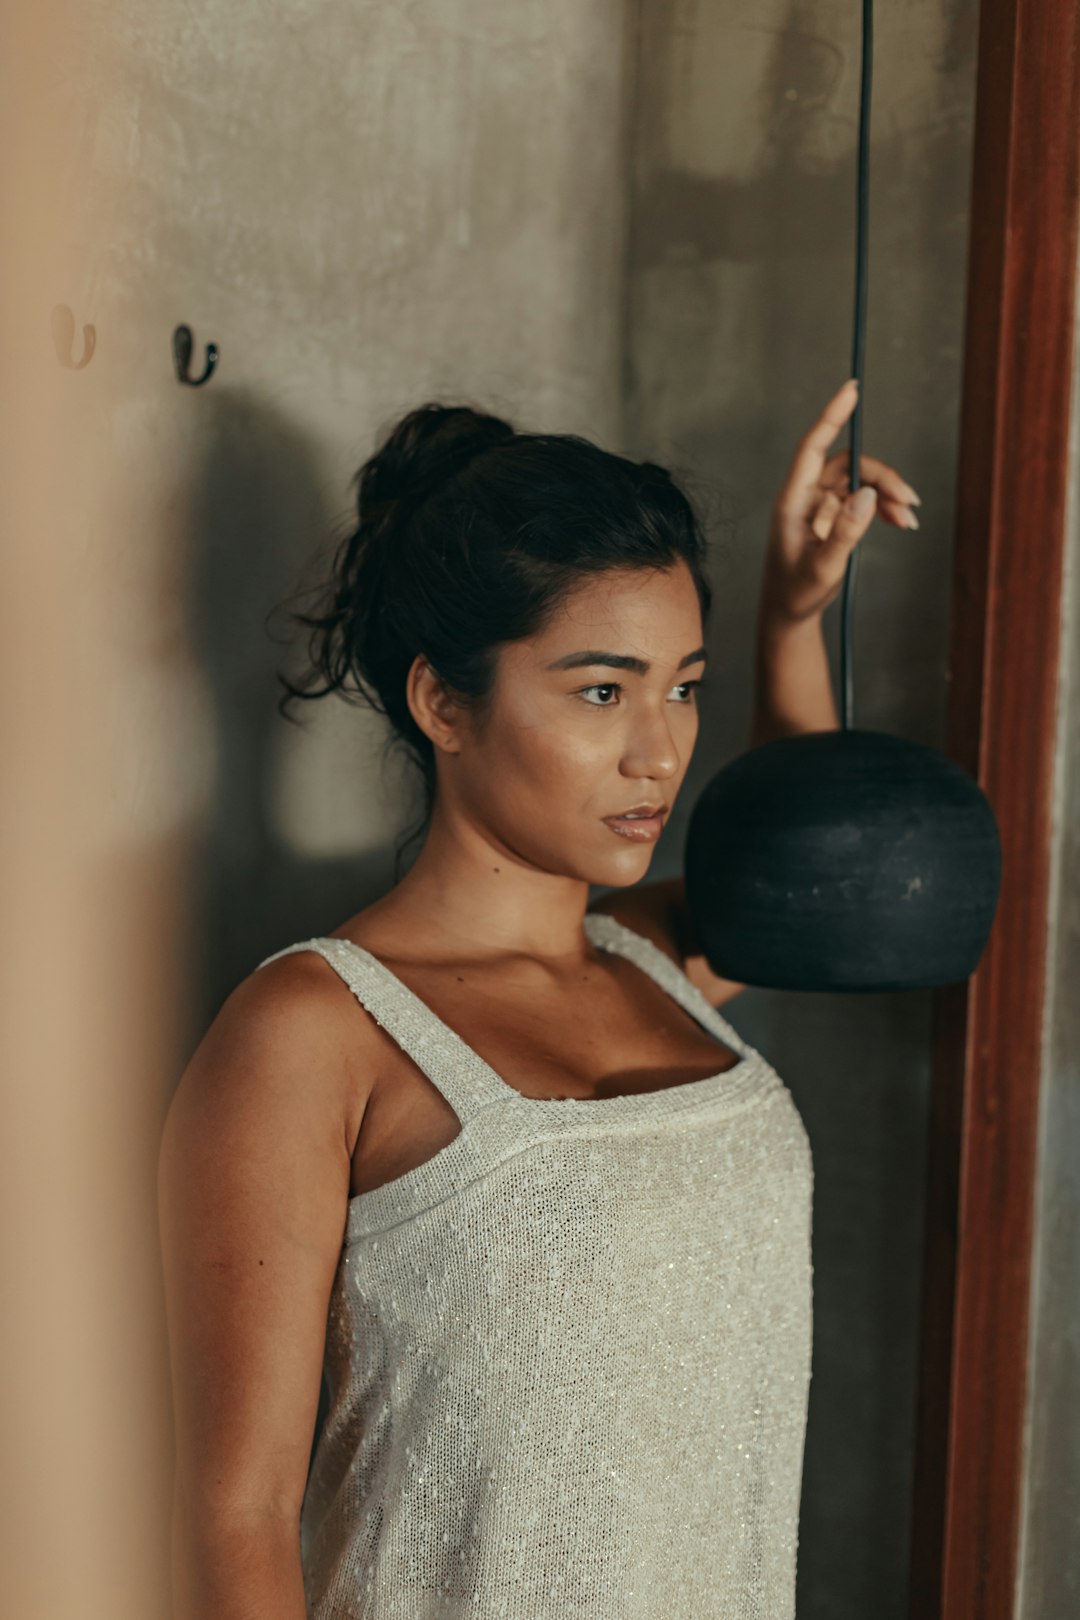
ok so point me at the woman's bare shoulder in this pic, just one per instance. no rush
(659, 911)
(296, 998)
(648, 909)
(289, 1041)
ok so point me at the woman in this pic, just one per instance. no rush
(487, 1156)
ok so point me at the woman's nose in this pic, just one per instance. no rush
(653, 751)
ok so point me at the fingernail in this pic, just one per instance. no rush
(912, 521)
(864, 500)
(910, 495)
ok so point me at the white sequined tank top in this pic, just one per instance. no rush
(568, 1357)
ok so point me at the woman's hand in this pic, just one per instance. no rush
(816, 523)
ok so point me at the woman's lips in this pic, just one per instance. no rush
(643, 829)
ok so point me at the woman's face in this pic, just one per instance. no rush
(593, 716)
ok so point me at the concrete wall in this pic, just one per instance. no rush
(365, 206)
(740, 314)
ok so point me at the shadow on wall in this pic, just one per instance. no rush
(255, 512)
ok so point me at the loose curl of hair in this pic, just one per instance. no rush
(468, 536)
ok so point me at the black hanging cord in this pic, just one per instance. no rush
(862, 203)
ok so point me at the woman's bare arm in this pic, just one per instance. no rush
(253, 1187)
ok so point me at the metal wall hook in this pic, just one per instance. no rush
(63, 331)
(182, 344)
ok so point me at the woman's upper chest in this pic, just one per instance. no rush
(609, 1030)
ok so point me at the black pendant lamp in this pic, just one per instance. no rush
(844, 860)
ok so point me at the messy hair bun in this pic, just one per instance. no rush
(431, 444)
(468, 536)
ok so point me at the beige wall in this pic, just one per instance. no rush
(365, 206)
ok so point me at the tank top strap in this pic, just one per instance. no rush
(612, 935)
(460, 1074)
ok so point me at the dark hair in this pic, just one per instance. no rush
(469, 535)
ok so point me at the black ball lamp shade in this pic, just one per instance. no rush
(842, 860)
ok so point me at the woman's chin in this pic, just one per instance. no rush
(631, 859)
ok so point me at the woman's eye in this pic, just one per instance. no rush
(614, 686)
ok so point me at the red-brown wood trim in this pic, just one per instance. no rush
(1004, 652)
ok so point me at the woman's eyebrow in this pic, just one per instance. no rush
(640, 666)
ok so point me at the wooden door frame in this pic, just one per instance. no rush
(1004, 641)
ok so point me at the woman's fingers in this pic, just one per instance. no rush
(808, 462)
(816, 488)
(894, 511)
(852, 518)
(826, 515)
(845, 521)
(886, 480)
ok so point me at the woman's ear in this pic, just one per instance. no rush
(432, 706)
